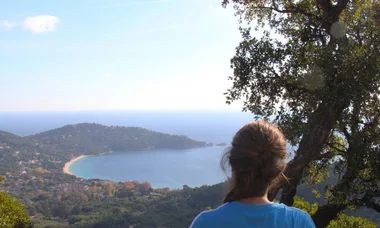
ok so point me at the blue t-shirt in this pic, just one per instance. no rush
(241, 215)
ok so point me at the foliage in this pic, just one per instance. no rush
(40, 223)
(174, 209)
(351, 222)
(32, 165)
(305, 206)
(12, 213)
(319, 76)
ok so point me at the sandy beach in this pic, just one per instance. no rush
(67, 165)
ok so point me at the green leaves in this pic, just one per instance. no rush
(12, 213)
(351, 222)
(305, 206)
(316, 193)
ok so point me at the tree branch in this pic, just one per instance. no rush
(325, 5)
(274, 7)
(344, 131)
(335, 148)
(325, 155)
(294, 86)
(369, 202)
(341, 6)
(326, 213)
(287, 11)
(375, 206)
(358, 37)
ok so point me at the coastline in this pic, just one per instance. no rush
(67, 164)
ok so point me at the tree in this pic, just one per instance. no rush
(351, 222)
(61, 210)
(140, 208)
(110, 188)
(125, 192)
(76, 210)
(129, 185)
(321, 82)
(145, 187)
(12, 213)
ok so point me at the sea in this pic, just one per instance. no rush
(161, 168)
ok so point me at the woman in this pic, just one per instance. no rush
(257, 160)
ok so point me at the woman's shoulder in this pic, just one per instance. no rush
(214, 212)
(222, 215)
(210, 215)
(296, 211)
(301, 217)
(295, 217)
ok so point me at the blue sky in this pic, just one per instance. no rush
(115, 54)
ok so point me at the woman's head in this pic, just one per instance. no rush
(257, 160)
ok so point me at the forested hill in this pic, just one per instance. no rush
(91, 138)
(14, 140)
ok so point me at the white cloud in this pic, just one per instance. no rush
(107, 75)
(40, 24)
(7, 25)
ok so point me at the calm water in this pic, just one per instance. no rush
(161, 168)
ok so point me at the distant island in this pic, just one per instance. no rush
(221, 144)
(93, 139)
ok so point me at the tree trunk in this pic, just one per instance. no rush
(320, 123)
(326, 213)
(310, 147)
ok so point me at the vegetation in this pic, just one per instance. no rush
(12, 213)
(50, 150)
(343, 220)
(32, 169)
(319, 76)
(173, 209)
(350, 222)
(41, 223)
(95, 139)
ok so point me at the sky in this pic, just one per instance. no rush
(115, 55)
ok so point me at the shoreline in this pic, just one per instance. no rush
(66, 167)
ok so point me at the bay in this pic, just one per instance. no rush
(161, 168)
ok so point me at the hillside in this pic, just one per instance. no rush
(89, 138)
(32, 167)
(15, 140)
(51, 149)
